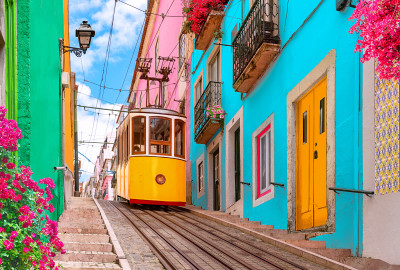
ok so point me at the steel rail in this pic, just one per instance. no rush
(185, 237)
(167, 263)
(230, 235)
(215, 246)
(231, 243)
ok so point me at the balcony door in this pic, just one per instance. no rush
(214, 69)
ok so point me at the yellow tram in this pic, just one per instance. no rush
(151, 164)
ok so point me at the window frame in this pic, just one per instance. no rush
(215, 55)
(261, 196)
(145, 130)
(181, 51)
(199, 80)
(183, 138)
(260, 191)
(200, 192)
(161, 142)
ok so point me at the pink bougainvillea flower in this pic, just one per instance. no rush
(378, 24)
(4, 160)
(10, 165)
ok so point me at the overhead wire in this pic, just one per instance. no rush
(95, 121)
(148, 12)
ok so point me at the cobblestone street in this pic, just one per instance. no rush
(136, 250)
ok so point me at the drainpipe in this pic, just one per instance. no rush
(76, 193)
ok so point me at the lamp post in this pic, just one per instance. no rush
(84, 34)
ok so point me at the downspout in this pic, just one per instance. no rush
(76, 167)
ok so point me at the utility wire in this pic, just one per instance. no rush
(148, 12)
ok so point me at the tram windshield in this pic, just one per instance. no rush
(139, 135)
(160, 135)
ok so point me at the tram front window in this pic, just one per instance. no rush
(160, 136)
(139, 135)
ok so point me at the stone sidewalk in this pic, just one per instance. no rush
(137, 252)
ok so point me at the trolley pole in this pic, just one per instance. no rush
(76, 166)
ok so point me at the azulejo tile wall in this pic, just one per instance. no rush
(386, 136)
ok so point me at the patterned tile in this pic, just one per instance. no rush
(386, 136)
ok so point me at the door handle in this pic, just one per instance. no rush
(315, 154)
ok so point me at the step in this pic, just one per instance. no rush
(77, 246)
(88, 266)
(253, 226)
(82, 230)
(80, 225)
(306, 243)
(87, 256)
(368, 263)
(332, 253)
(281, 234)
(79, 215)
(84, 238)
(95, 220)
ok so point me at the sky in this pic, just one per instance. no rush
(96, 67)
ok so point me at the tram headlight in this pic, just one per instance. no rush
(160, 179)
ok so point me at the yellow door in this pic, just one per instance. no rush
(311, 206)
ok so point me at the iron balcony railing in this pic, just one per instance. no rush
(210, 97)
(260, 25)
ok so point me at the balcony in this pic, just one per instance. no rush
(255, 45)
(206, 34)
(204, 126)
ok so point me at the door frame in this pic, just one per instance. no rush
(325, 68)
(211, 148)
(234, 123)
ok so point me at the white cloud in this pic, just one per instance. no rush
(127, 24)
(103, 124)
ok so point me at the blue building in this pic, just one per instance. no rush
(290, 84)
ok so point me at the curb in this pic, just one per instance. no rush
(311, 256)
(123, 262)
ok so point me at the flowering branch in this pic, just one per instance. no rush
(378, 23)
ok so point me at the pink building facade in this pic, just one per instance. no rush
(162, 36)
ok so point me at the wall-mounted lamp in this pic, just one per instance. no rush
(341, 4)
(84, 34)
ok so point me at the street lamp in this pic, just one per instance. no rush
(84, 34)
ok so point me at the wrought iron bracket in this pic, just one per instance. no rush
(365, 192)
(245, 183)
(77, 51)
(278, 185)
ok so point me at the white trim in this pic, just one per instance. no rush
(211, 148)
(325, 68)
(270, 195)
(231, 127)
(196, 98)
(215, 50)
(201, 192)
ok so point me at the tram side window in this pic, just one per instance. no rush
(160, 135)
(179, 138)
(139, 135)
(127, 141)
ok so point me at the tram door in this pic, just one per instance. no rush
(216, 180)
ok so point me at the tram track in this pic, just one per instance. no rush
(190, 243)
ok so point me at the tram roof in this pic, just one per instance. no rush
(156, 111)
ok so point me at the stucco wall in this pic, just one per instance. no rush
(301, 55)
(380, 213)
(40, 25)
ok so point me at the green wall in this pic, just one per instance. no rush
(10, 59)
(40, 25)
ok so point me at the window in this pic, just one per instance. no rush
(160, 136)
(200, 176)
(180, 138)
(263, 162)
(127, 142)
(138, 135)
(156, 57)
(182, 50)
